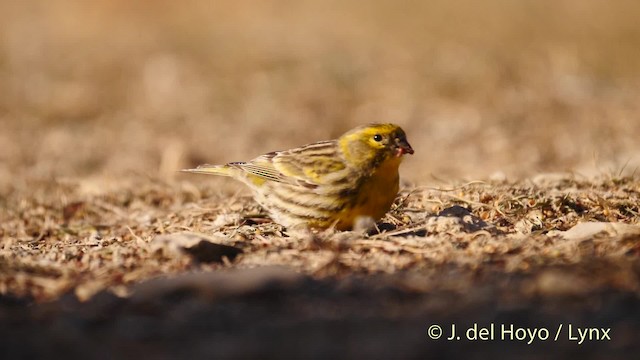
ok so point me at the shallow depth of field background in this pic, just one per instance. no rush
(102, 101)
(109, 89)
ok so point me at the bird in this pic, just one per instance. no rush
(327, 184)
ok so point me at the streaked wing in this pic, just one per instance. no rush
(263, 169)
(311, 164)
(306, 166)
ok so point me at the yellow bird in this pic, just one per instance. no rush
(327, 183)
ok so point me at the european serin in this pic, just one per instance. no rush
(328, 183)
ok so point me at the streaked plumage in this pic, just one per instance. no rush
(328, 183)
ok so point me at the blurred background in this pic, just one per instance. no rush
(110, 88)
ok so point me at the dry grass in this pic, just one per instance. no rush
(523, 116)
(64, 240)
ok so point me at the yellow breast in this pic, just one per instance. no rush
(375, 195)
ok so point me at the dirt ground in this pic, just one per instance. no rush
(518, 221)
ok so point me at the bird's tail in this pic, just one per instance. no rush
(221, 170)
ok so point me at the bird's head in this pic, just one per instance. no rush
(374, 142)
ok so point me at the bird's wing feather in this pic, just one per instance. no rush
(262, 169)
(306, 166)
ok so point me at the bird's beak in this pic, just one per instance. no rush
(403, 147)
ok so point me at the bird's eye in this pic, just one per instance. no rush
(377, 137)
